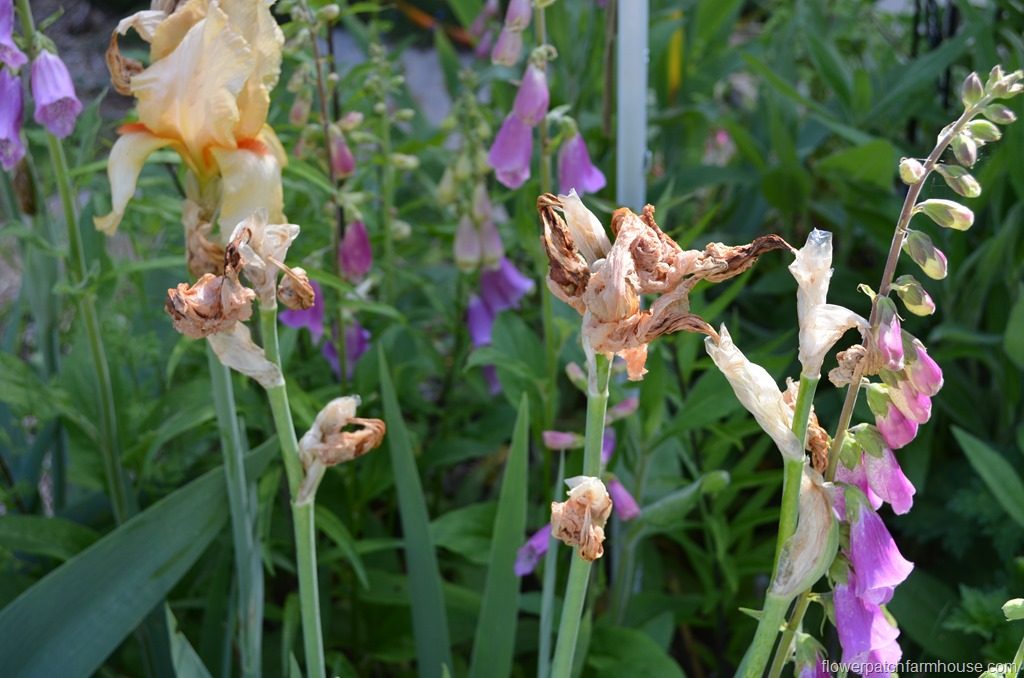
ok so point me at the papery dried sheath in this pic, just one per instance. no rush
(237, 350)
(808, 553)
(338, 435)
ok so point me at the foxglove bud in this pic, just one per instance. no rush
(350, 121)
(12, 149)
(576, 376)
(960, 180)
(328, 13)
(896, 429)
(343, 163)
(947, 213)
(575, 169)
(911, 171)
(446, 191)
(622, 409)
(807, 554)
(404, 161)
(924, 253)
(625, 505)
(965, 149)
(984, 131)
(9, 52)
(531, 102)
(517, 16)
(999, 114)
(913, 295)
(995, 75)
(467, 245)
(888, 335)
(492, 251)
(562, 440)
(355, 256)
(57, 106)
(1014, 609)
(972, 90)
(508, 48)
(481, 203)
(923, 372)
(298, 115)
(587, 232)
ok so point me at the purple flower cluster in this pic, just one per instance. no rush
(56, 105)
(904, 400)
(501, 288)
(512, 149)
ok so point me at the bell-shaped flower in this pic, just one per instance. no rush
(821, 324)
(920, 248)
(480, 320)
(757, 392)
(923, 372)
(896, 429)
(862, 626)
(576, 172)
(914, 405)
(511, 152)
(856, 476)
(622, 409)
(517, 15)
(625, 505)
(878, 562)
(888, 338)
(887, 480)
(205, 94)
(57, 105)
(343, 162)
(562, 440)
(508, 48)
(355, 256)
(530, 553)
(807, 554)
(10, 54)
(579, 521)
(12, 149)
(311, 318)
(504, 287)
(357, 342)
(531, 102)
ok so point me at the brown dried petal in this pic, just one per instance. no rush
(731, 260)
(255, 247)
(294, 290)
(579, 521)
(328, 441)
(213, 304)
(203, 254)
(850, 360)
(121, 67)
(569, 273)
(818, 441)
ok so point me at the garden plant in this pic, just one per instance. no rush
(532, 337)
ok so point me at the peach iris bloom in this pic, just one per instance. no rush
(205, 94)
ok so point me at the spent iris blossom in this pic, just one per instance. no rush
(10, 54)
(57, 106)
(12, 149)
(575, 169)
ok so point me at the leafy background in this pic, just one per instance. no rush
(820, 99)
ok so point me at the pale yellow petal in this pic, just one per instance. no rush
(171, 32)
(253, 21)
(145, 23)
(190, 95)
(250, 180)
(126, 159)
(269, 137)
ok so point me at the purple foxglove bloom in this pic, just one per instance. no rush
(886, 479)
(503, 287)
(9, 52)
(311, 318)
(607, 445)
(57, 107)
(517, 16)
(878, 562)
(491, 376)
(530, 553)
(479, 26)
(890, 335)
(886, 658)
(492, 250)
(623, 502)
(561, 440)
(355, 257)
(511, 152)
(862, 626)
(484, 45)
(924, 373)
(531, 102)
(857, 477)
(812, 669)
(467, 245)
(480, 319)
(357, 342)
(508, 48)
(575, 171)
(896, 429)
(915, 406)
(12, 150)
(622, 409)
(343, 163)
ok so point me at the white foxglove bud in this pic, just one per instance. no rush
(960, 180)
(965, 149)
(984, 131)
(947, 213)
(911, 171)
(972, 90)
(587, 232)
(1014, 609)
(446, 191)
(925, 254)
(999, 114)
(913, 295)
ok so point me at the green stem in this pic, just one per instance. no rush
(760, 649)
(547, 597)
(782, 655)
(248, 565)
(1018, 662)
(302, 513)
(122, 502)
(387, 198)
(579, 570)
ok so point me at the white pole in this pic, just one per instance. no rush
(631, 94)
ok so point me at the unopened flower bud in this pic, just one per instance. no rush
(1014, 609)
(994, 76)
(355, 255)
(562, 440)
(913, 295)
(404, 161)
(965, 149)
(508, 48)
(298, 115)
(911, 171)
(576, 376)
(467, 245)
(622, 409)
(295, 291)
(924, 373)
(1005, 86)
(807, 554)
(404, 114)
(960, 180)
(400, 229)
(924, 253)
(492, 250)
(380, 108)
(328, 13)
(350, 121)
(343, 163)
(463, 168)
(481, 202)
(625, 505)
(972, 90)
(999, 114)
(984, 131)
(580, 520)
(888, 336)
(947, 213)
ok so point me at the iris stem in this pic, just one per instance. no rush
(579, 570)
(248, 565)
(302, 513)
(760, 650)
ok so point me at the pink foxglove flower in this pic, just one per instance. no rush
(915, 406)
(57, 106)
(608, 441)
(887, 481)
(508, 48)
(311, 318)
(503, 287)
(12, 149)
(355, 256)
(889, 337)
(862, 626)
(896, 429)
(857, 476)
(530, 553)
(878, 562)
(511, 152)
(343, 163)
(623, 503)
(531, 102)
(480, 320)
(9, 52)
(622, 409)
(561, 440)
(575, 170)
(923, 372)
(478, 28)
(518, 14)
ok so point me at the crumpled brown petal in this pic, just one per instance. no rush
(257, 248)
(331, 441)
(818, 441)
(642, 260)
(854, 358)
(203, 254)
(213, 304)
(579, 521)
(121, 67)
(295, 291)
